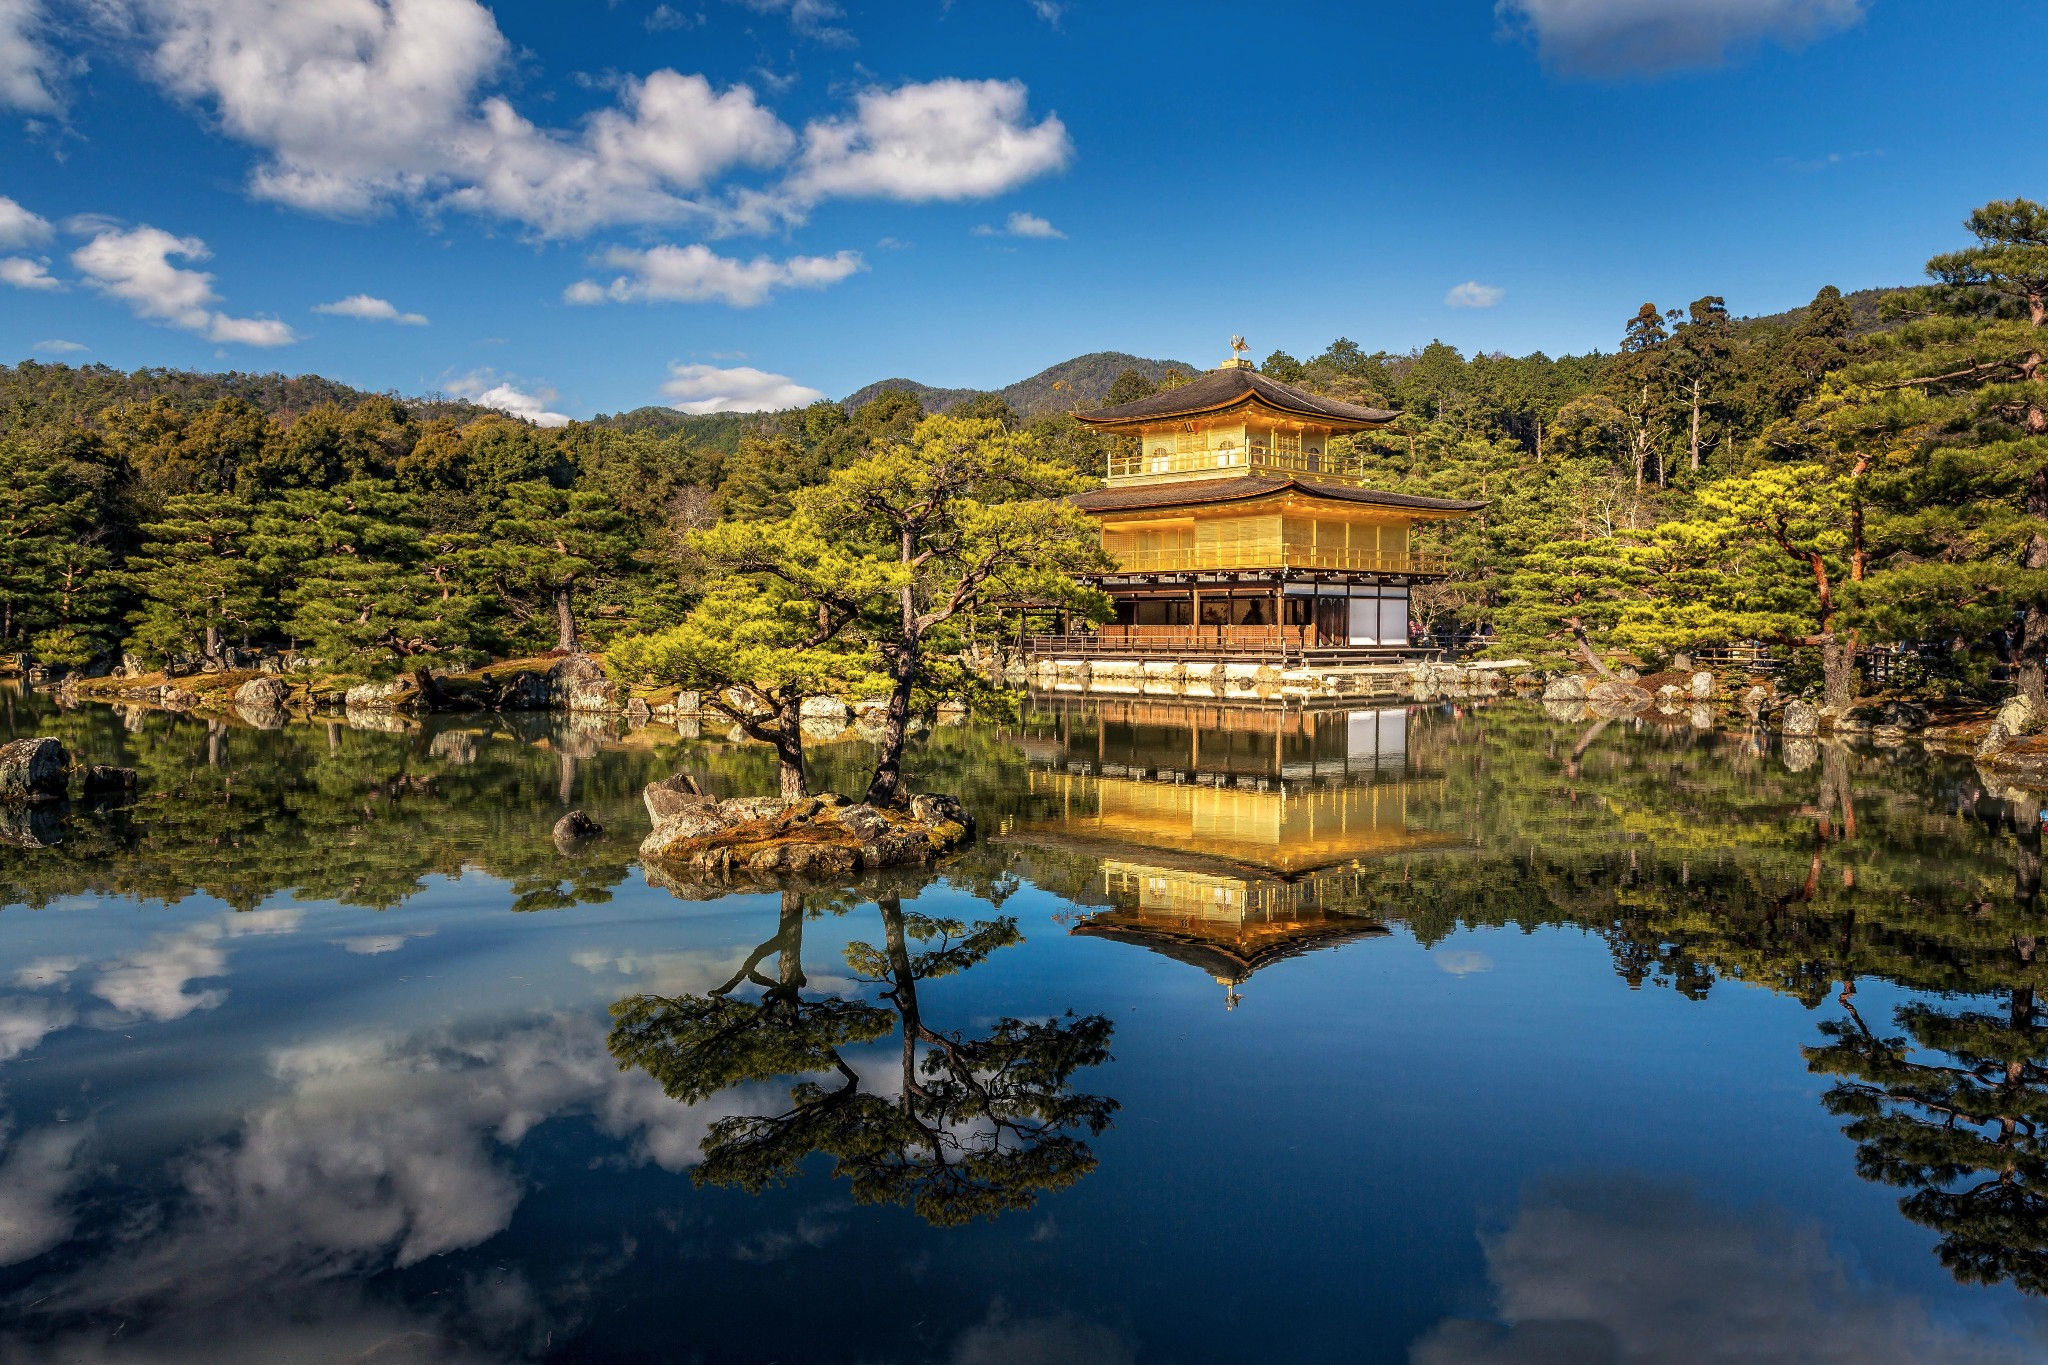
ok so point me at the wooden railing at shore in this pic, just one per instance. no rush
(1246, 644)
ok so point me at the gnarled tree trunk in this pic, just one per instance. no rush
(1838, 675)
(886, 787)
(565, 621)
(789, 747)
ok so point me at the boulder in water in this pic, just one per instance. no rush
(400, 694)
(672, 796)
(579, 684)
(1571, 687)
(105, 779)
(263, 694)
(574, 828)
(33, 770)
(1617, 697)
(1800, 720)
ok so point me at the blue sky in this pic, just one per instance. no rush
(574, 208)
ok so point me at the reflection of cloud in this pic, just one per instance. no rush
(775, 1244)
(26, 1021)
(151, 982)
(47, 971)
(1064, 1340)
(35, 1181)
(1627, 1271)
(381, 1152)
(372, 944)
(690, 972)
(317, 1323)
(1463, 963)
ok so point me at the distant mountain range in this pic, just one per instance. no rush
(1084, 379)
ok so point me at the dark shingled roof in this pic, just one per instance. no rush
(1197, 491)
(1230, 386)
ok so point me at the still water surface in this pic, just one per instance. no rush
(1435, 1034)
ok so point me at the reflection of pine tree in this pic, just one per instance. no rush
(981, 1126)
(1964, 1134)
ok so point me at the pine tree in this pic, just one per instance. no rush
(199, 581)
(778, 627)
(1952, 412)
(366, 590)
(548, 543)
(51, 569)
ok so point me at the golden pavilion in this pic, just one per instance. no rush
(1239, 530)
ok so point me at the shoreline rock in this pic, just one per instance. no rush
(33, 770)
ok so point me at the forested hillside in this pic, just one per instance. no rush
(1083, 381)
(1826, 481)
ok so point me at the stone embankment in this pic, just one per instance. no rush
(1684, 696)
(1209, 681)
(573, 684)
(772, 839)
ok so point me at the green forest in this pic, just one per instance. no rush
(1864, 473)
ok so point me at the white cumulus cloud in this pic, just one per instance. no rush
(812, 18)
(1022, 225)
(24, 272)
(355, 105)
(697, 274)
(59, 346)
(943, 140)
(359, 102)
(1473, 294)
(368, 308)
(488, 389)
(28, 66)
(134, 266)
(18, 226)
(1647, 37)
(707, 388)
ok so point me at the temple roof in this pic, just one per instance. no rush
(1229, 387)
(1196, 492)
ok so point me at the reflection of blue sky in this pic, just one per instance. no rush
(257, 1116)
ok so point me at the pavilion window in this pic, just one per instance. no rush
(1286, 443)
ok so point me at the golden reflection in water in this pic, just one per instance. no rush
(1227, 841)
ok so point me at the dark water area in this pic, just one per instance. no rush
(1440, 1034)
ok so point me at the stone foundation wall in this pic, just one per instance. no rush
(1208, 680)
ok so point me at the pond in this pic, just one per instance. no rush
(1441, 1034)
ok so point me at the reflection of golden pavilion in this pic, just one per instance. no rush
(1227, 836)
(1280, 792)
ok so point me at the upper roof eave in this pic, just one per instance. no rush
(1141, 497)
(1230, 387)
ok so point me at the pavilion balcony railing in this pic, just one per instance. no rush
(1278, 644)
(1326, 465)
(1195, 558)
